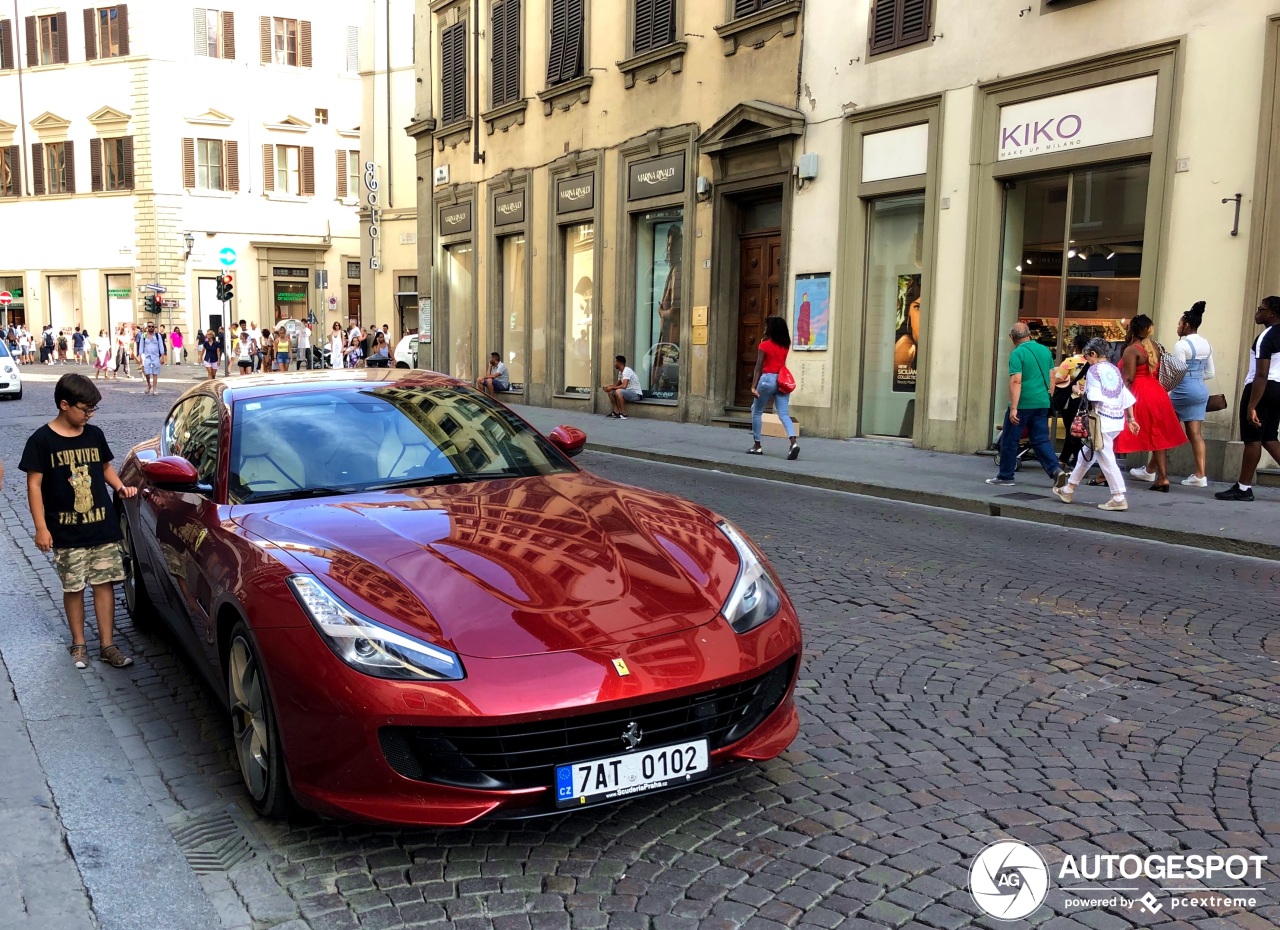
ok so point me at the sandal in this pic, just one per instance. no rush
(114, 657)
(79, 654)
(1097, 481)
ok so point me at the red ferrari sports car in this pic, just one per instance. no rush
(420, 611)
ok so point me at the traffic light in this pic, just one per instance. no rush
(152, 303)
(225, 292)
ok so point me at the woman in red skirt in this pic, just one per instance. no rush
(1159, 429)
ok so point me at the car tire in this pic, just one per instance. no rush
(136, 599)
(254, 733)
(401, 365)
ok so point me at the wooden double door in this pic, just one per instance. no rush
(759, 293)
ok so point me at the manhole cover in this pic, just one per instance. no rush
(212, 842)
(1023, 496)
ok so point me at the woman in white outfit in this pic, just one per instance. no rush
(1111, 400)
(336, 356)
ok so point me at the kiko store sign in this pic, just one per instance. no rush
(1083, 118)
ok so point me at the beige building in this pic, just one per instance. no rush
(614, 178)
(156, 143)
(1068, 163)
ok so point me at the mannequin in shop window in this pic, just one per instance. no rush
(663, 376)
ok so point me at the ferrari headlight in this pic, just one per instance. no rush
(370, 647)
(754, 598)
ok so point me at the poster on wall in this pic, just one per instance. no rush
(813, 312)
(907, 334)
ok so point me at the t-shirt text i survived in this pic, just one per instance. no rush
(77, 503)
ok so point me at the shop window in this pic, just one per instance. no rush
(898, 23)
(506, 53)
(111, 164)
(215, 33)
(565, 56)
(659, 301)
(453, 74)
(513, 254)
(655, 24)
(459, 279)
(406, 305)
(9, 172)
(285, 41)
(47, 40)
(1072, 258)
(106, 32)
(893, 315)
(578, 248)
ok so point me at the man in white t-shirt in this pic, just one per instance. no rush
(304, 346)
(1260, 403)
(626, 388)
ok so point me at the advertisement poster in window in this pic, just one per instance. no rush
(659, 275)
(813, 312)
(907, 334)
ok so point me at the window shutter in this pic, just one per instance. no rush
(228, 35)
(90, 34)
(511, 68)
(341, 166)
(565, 60)
(914, 23)
(453, 73)
(664, 22)
(268, 167)
(69, 165)
(231, 165)
(33, 43)
(644, 26)
(498, 63)
(744, 7)
(64, 39)
(122, 25)
(127, 166)
(308, 171)
(884, 21)
(95, 165)
(189, 163)
(353, 49)
(11, 155)
(559, 26)
(37, 168)
(6, 45)
(265, 22)
(202, 33)
(304, 43)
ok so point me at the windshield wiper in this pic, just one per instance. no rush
(300, 494)
(424, 481)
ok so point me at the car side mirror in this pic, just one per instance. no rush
(171, 471)
(568, 439)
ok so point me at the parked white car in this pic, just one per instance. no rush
(10, 375)
(406, 354)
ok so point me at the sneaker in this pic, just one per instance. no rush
(1114, 504)
(1234, 493)
(794, 453)
(1060, 479)
(1142, 474)
(622, 416)
(1063, 494)
(1001, 482)
(1192, 481)
(612, 416)
(79, 655)
(114, 657)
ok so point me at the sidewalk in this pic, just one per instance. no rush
(899, 471)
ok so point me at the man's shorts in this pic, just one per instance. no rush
(90, 565)
(501, 385)
(631, 394)
(1268, 412)
(150, 366)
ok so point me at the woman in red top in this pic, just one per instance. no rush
(1159, 427)
(769, 361)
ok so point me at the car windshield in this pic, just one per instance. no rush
(347, 440)
(4, 351)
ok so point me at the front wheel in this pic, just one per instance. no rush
(401, 365)
(136, 600)
(253, 728)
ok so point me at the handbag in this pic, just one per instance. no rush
(786, 380)
(1172, 369)
(1088, 426)
(1215, 403)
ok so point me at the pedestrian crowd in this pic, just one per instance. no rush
(1144, 403)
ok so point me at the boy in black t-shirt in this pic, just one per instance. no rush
(68, 466)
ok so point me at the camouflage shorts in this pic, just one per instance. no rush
(90, 565)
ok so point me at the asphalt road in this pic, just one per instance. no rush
(967, 680)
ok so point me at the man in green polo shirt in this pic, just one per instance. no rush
(1029, 390)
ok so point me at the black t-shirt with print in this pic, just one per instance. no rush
(77, 503)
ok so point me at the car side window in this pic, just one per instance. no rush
(171, 437)
(200, 429)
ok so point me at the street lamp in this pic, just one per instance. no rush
(190, 240)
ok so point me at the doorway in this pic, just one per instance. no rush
(353, 305)
(759, 287)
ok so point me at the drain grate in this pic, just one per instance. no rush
(1023, 496)
(212, 842)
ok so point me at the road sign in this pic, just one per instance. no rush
(227, 257)
(5, 298)
(153, 287)
(333, 302)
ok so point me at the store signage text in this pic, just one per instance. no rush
(508, 209)
(575, 194)
(455, 219)
(1096, 116)
(375, 212)
(656, 177)
(279, 272)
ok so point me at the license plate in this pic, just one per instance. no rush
(631, 773)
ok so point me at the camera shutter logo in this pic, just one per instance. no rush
(1008, 880)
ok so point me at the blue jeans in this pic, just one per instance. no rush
(1037, 424)
(767, 390)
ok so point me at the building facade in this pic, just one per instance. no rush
(1070, 164)
(144, 145)
(613, 178)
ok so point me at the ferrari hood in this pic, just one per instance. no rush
(513, 567)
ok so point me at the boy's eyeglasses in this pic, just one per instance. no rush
(87, 411)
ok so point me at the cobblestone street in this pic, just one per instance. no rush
(967, 679)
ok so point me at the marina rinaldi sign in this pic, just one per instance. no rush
(1095, 116)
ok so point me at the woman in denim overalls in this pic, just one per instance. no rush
(1191, 395)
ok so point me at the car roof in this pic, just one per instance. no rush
(250, 387)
